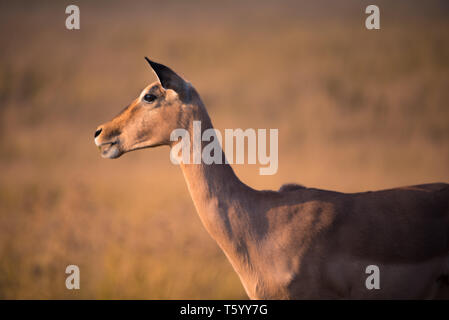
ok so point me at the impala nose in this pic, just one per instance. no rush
(97, 133)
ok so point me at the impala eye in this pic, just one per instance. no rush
(149, 97)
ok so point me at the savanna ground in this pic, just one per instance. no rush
(356, 110)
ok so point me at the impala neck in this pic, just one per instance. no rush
(217, 194)
(221, 201)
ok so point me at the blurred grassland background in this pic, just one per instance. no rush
(356, 110)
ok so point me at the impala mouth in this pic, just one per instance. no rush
(109, 150)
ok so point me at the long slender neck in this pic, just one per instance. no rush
(222, 202)
(216, 192)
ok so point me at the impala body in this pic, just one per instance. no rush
(298, 242)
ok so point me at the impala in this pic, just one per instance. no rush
(297, 242)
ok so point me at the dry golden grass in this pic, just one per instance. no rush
(355, 109)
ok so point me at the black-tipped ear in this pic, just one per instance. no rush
(168, 78)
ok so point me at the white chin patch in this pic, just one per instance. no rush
(110, 152)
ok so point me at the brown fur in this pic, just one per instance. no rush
(298, 242)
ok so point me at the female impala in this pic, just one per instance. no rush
(296, 242)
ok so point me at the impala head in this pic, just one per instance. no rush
(148, 121)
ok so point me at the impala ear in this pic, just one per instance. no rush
(169, 79)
